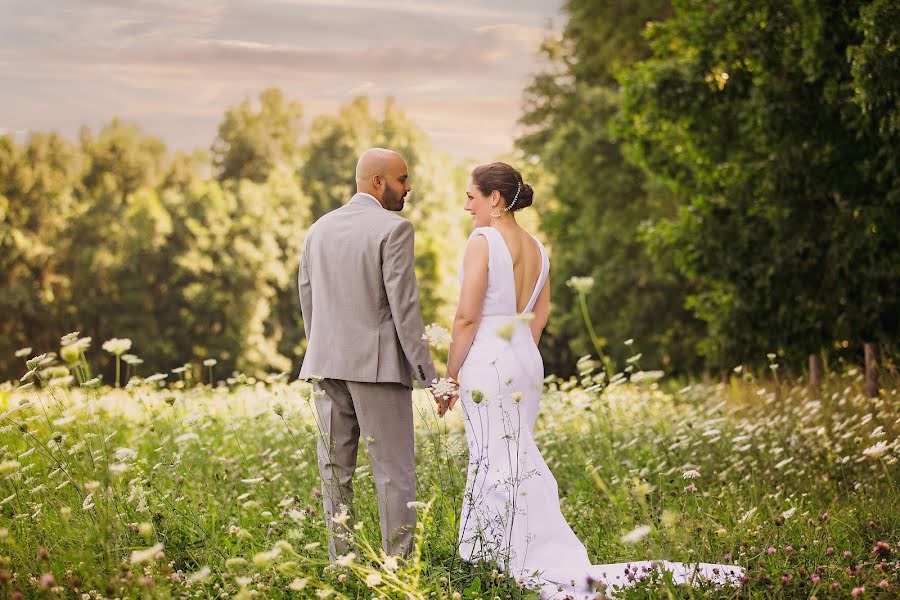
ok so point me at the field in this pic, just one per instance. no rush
(171, 488)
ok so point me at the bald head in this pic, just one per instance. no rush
(383, 174)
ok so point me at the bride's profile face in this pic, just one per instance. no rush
(478, 205)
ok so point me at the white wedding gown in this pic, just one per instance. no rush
(511, 511)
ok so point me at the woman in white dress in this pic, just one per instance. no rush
(511, 512)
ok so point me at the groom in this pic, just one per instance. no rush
(360, 305)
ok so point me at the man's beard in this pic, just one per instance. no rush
(392, 200)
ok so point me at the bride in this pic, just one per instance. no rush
(511, 511)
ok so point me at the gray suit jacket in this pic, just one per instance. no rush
(360, 299)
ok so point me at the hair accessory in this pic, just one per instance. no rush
(511, 204)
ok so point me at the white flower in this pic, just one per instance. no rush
(784, 462)
(261, 559)
(131, 359)
(297, 584)
(125, 454)
(209, 362)
(341, 518)
(148, 555)
(416, 504)
(88, 503)
(23, 352)
(636, 534)
(252, 480)
(185, 437)
(346, 560)
(582, 285)
(788, 513)
(390, 563)
(444, 388)
(373, 579)
(437, 336)
(876, 451)
(642, 376)
(690, 474)
(201, 575)
(117, 346)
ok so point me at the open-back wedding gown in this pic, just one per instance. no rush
(511, 512)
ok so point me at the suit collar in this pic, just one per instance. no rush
(365, 199)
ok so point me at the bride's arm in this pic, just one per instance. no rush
(541, 312)
(471, 300)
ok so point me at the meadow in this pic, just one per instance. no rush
(169, 487)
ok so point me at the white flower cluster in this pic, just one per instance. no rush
(581, 285)
(117, 346)
(438, 337)
(444, 388)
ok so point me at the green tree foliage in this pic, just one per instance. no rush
(599, 204)
(115, 237)
(768, 122)
(252, 143)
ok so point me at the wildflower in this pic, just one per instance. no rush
(47, 581)
(390, 563)
(876, 451)
(858, 591)
(438, 337)
(416, 504)
(881, 549)
(92, 383)
(373, 579)
(444, 388)
(341, 518)
(88, 503)
(278, 409)
(582, 285)
(236, 563)
(629, 341)
(262, 559)
(125, 454)
(312, 546)
(131, 359)
(633, 359)
(690, 474)
(70, 353)
(788, 513)
(644, 376)
(477, 396)
(323, 593)
(506, 331)
(297, 584)
(210, 362)
(23, 352)
(117, 346)
(517, 397)
(64, 381)
(201, 575)
(636, 534)
(346, 560)
(771, 550)
(146, 529)
(147, 555)
(9, 466)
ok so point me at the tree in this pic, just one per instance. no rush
(747, 113)
(251, 144)
(599, 204)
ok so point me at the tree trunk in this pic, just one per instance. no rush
(815, 371)
(872, 369)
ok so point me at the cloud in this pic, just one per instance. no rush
(457, 68)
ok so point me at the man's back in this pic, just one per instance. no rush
(360, 299)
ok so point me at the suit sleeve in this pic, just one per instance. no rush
(303, 283)
(398, 270)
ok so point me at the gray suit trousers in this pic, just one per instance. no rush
(382, 413)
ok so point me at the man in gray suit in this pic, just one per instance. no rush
(360, 304)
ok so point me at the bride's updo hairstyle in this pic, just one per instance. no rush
(506, 180)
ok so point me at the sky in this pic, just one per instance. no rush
(458, 68)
